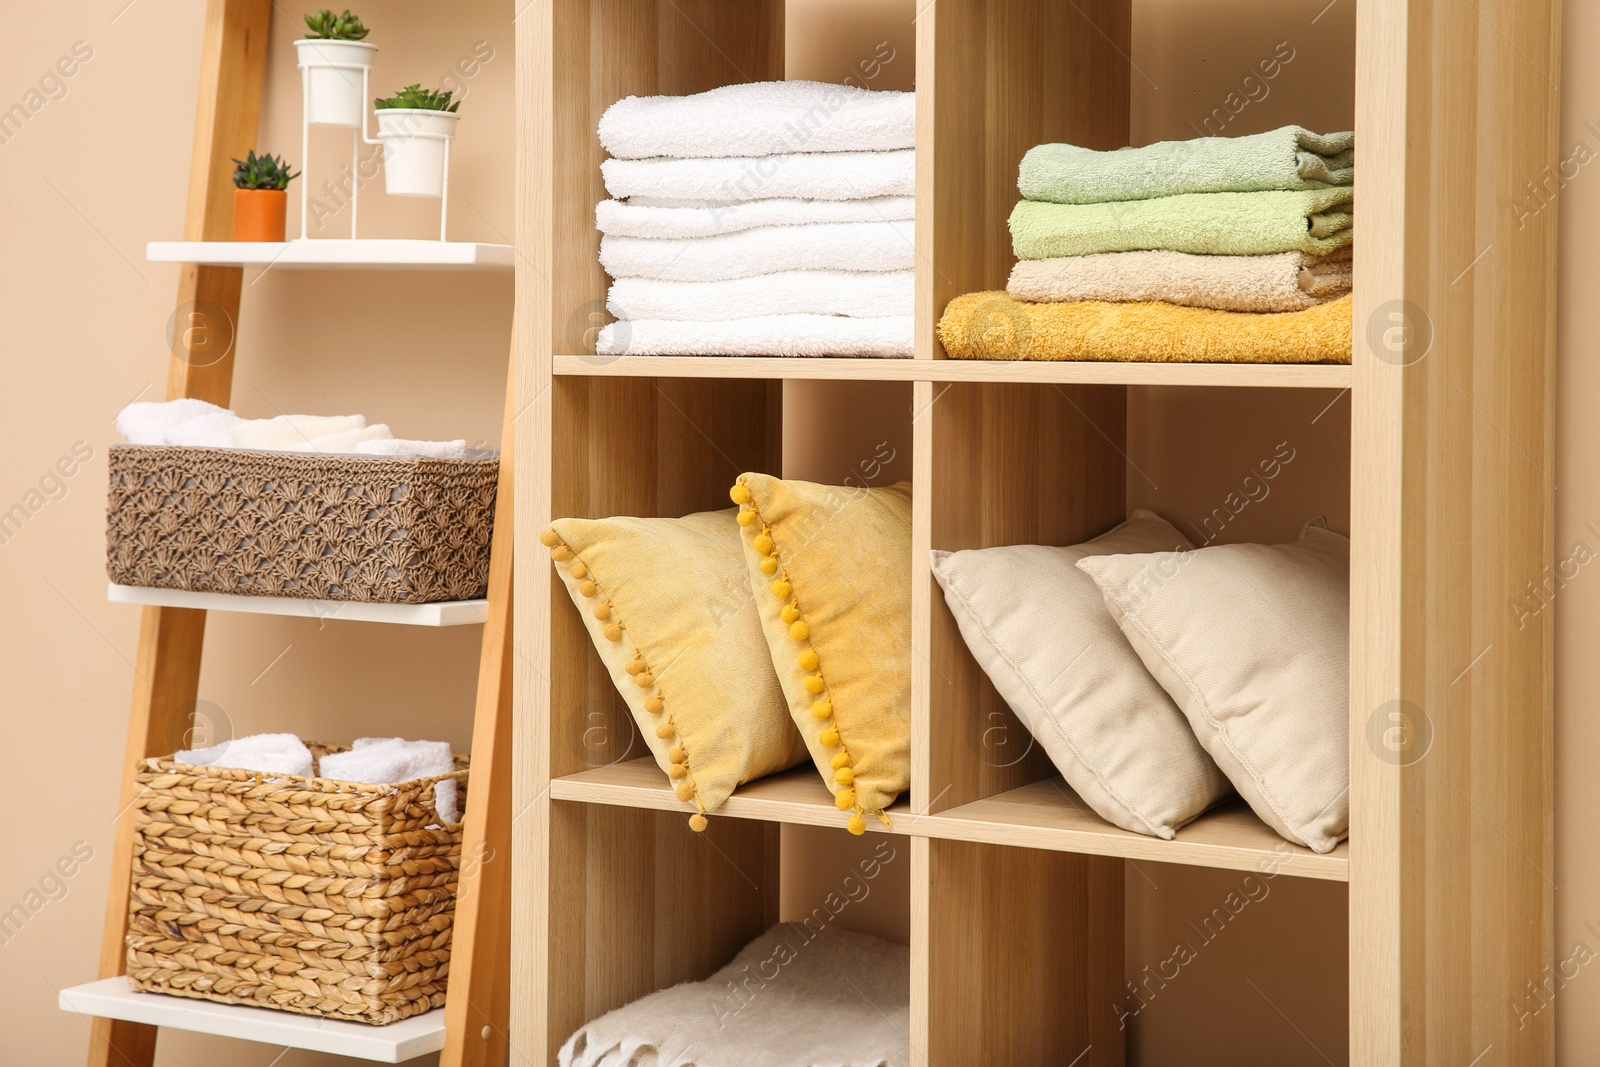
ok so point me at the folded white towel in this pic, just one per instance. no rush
(860, 294)
(292, 433)
(396, 446)
(643, 217)
(797, 996)
(345, 441)
(211, 430)
(760, 118)
(197, 424)
(392, 760)
(774, 335)
(148, 422)
(862, 246)
(809, 175)
(268, 753)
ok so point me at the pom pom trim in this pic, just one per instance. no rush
(645, 692)
(764, 543)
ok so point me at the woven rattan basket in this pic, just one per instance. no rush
(300, 894)
(290, 524)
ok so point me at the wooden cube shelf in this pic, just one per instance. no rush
(1017, 890)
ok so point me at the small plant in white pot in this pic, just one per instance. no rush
(336, 61)
(415, 126)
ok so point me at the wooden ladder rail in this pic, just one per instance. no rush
(167, 667)
(478, 998)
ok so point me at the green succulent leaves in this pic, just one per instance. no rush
(261, 172)
(415, 96)
(326, 26)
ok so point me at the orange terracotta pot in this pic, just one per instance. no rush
(258, 214)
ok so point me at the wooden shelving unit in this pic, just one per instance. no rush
(1449, 904)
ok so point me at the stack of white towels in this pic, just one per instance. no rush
(370, 760)
(197, 424)
(766, 219)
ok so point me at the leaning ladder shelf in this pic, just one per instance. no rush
(471, 1028)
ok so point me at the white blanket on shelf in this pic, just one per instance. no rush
(796, 996)
(773, 335)
(858, 246)
(676, 219)
(858, 294)
(808, 175)
(760, 118)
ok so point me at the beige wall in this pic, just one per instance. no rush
(102, 169)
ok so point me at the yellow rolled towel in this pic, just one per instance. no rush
(994, 325)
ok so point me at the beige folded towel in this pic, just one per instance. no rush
(1286, 281)
(797, 996)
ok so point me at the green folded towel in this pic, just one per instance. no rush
(1316, 221)
(1290, 158)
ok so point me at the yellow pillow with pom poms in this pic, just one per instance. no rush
(831, 569)
(670, 610)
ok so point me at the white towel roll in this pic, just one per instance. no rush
(149, 422)
(267, 753)
(211, 430)
(292, 433)
(399, 447)
(392, 760)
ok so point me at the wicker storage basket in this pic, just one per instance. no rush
(300, 894)
(318, 527)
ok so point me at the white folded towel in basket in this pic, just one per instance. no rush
(861, 294)
(760, 118)
(297, 433)
(155, 422)
(267, 753)
(392, 760)
(670, 219)
(793, 997)
(772, 335)
(808, 175)
(396, 446)
(197, 424)
(876, 246)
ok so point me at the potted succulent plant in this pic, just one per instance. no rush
(415, 126)
(259, 197)
(335, 59)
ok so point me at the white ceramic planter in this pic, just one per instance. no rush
(414, 145)
(335, 80)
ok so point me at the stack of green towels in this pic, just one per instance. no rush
(1219, 249)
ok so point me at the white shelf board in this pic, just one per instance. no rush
(439, 613)
(336, 254)
(110, 998)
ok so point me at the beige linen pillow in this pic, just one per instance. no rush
(1253, 642)
(1039, 629)
(669, 608)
